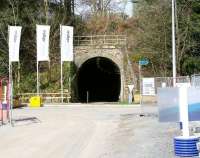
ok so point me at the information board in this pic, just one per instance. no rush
(148, 86)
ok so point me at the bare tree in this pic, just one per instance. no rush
(101, 7)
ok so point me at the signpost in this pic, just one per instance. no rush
(142, 62)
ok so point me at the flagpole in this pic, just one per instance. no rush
(61, 67)
(140, 79)
(69, 77)
(173, 43)
(65, 31)
(38, 86)
(11, 92)
(14, 46)
(10, 87)
(61, 79)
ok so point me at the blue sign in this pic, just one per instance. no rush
(169, 109)
(143, 62)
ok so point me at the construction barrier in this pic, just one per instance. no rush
(35, 102)
(4, 100)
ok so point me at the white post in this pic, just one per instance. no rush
(140, 78)
(10, 84)
(38, 83)
(183, 105)
(87, 96)
(61, 79)
(173, 43)
(61, 68)
(69, 84)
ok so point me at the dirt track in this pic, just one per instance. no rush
(87, 132)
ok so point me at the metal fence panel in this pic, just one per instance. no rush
(168, 81)
(195, 80)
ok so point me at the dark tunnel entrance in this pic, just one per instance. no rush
(99, 80)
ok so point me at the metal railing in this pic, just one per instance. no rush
(169, 81)
(46, 97)
(195, 80)
(99, 40)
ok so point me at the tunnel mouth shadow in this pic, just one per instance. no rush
(99, 80)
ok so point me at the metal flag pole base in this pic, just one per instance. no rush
(185, 145)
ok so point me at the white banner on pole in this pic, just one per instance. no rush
(66, 33)
(43, 42)
(14, 42)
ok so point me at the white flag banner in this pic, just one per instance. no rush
(14, 42)
(43, 42)
(66, 45)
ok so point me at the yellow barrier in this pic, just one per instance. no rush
(137, 98)
(35, 102)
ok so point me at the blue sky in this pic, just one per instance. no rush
(129, 9)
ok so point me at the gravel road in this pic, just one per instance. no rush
(87, 131)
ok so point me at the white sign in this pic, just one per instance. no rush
(66, 33)
(148, 85)
(43, 42)
(14, 42)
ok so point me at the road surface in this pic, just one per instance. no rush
(87, 131)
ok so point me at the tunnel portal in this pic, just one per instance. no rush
(99, 80)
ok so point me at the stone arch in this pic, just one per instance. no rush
(113, 54)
